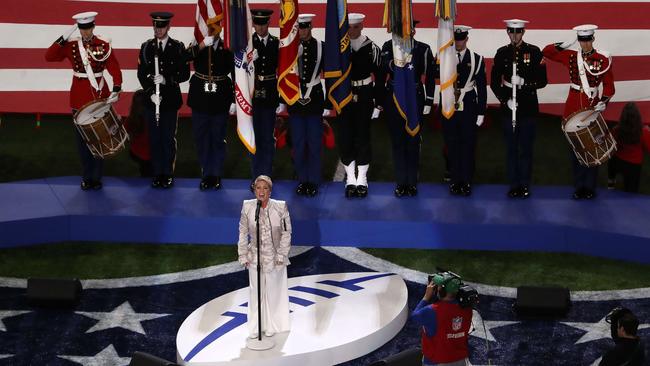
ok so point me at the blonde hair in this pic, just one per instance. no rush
(264, 178)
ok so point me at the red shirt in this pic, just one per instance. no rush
(633, 153)
(81, 91)
(139, 145)
(449, 343)
(596, 62)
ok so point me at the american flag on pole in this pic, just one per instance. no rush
(29, 84)
(288, 84)
(205, 10)
(237, 37)
(446, 13)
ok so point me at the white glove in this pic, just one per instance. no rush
(112, 98)
(600, 107)
(517, 80)
(208, 41)
(327, 112)
(159, 79)
(511, 104)
(281, 108)
(426, 110)
(233, 109)
(568, 43)
(375, 113)
(156, 99)
(479, 120)
(69, 32)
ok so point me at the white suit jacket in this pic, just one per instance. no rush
(277, 250)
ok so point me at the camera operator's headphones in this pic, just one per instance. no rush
(447, 281)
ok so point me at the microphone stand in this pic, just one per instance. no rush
(259, 344)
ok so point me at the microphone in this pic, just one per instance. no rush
(257, 210)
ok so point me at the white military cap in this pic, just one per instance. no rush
(585, 31)
(305, 18)
(515, 23)
(85, 20)
(355, 18)
(461, 32)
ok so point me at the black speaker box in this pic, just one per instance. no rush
(53, 292)
(410, 357)
(145, 359)
(535, 301)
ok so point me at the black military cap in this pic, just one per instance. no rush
(304, 20)
(161, 18)
(261, 16)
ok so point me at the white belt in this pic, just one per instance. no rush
(468, 87)
(85, 76)
(510, 85)
(366, 81)
(579, 88)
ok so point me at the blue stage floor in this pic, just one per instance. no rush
(615, 225)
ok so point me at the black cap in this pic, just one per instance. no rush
(261, 16)
(515, 30)
(461, 32)
(161, 18)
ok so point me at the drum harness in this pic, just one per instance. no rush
(90, 75)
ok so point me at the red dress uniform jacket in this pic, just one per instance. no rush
(81, 91)
(596, 63)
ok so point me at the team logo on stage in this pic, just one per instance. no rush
(334, 318)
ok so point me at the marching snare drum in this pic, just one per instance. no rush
(589, 137)
(101, 128)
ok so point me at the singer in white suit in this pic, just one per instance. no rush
(275, 242)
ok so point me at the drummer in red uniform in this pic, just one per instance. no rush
(89, 56)
(588, 68)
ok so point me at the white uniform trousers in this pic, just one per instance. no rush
(274, 300)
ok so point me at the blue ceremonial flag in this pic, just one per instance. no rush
(337, 55)
(404, 90)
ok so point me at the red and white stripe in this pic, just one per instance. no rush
(28, 84)
(205, 9)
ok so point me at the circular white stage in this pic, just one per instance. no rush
(334, 318)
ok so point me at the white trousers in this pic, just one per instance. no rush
(274, 300)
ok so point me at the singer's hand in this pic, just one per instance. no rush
(426, 110)
(156, 99)
(511, 104)
(600, 107)
(479, 120)
(517, 80)
(375, 113)
(233, 109)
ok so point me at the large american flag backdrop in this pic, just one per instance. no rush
(28, 84)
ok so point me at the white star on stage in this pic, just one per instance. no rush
(595, 331)
(410, 66)
(122, 316)
(477, 322)
(9, 314)
(108, 356)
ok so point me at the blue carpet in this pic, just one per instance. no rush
(128, 210)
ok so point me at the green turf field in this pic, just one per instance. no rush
(27, 152)
(106, 260)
